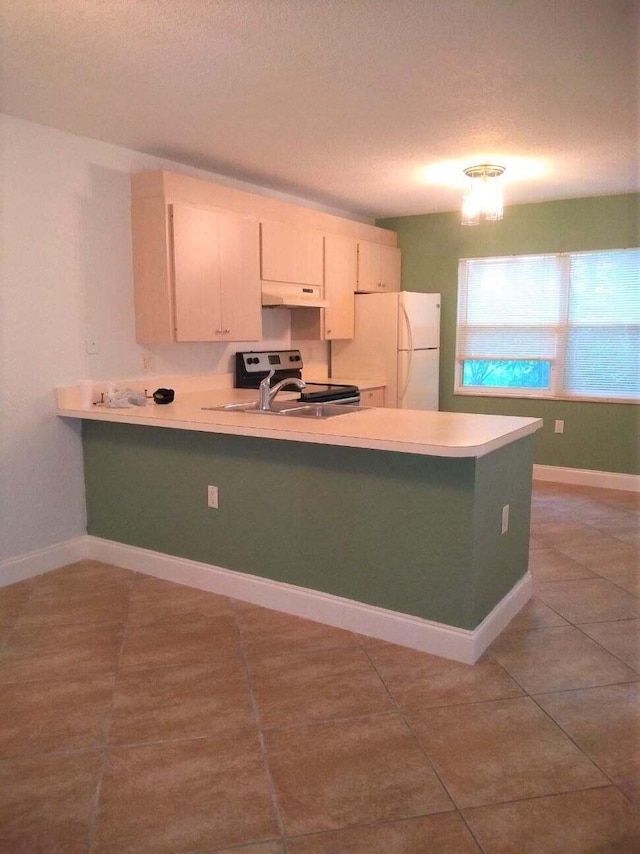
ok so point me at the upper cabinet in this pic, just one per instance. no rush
(378, 268)
(337, 321)
(340, 273)
(290, 254)
(196, 273)
(201, 251)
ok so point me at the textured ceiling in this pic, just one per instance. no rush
(344, 102)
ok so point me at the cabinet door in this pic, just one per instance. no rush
(390, 258)
(290, 254)
(216, 276)
(196, 261)
(378, 268)
(340, 276)
(368, 267)
(372, 397)
(241, 305)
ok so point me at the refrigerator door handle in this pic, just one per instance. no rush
(409, 329)
(410, 337)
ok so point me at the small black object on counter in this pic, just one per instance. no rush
(164, 395)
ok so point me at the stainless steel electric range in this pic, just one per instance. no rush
(253, 366)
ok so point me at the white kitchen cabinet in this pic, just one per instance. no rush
(196, 274)
(340, 272)
(372, 396)
(378, 268)
(290, 254)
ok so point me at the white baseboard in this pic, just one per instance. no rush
(586, 477)
(424, 635)
(44, 560)
(502, 614)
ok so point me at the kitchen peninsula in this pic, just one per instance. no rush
(382, 521)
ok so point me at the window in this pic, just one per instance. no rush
(564, 325)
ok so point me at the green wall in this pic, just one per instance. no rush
(598, 436)
(415, 534)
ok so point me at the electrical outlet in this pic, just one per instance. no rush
(91, 343)
(212, 497)
(148, 362)
(505, 519)
(559, 427)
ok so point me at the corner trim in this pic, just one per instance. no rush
(502, 614)
(44, 560)
(425, 635)
(587, 477)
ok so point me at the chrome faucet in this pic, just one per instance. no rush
(267, 394)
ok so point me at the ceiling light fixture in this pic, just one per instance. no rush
(483, 196)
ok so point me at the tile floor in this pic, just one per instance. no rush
(142, 716)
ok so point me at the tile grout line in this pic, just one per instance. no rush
(422, 749)
(578, 626)
(533, 697)
(263, 746)
(587, 621)
(313, 722)
(543, 797)
(616, 579)
(371, 825)
(93, 824)
(577, 688)
(570, 521)
(587, 757)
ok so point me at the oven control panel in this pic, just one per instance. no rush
(253, 366)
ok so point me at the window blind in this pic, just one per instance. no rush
(509, 307)
(603, 340)
(580, 312)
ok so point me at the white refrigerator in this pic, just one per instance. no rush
(397, 339)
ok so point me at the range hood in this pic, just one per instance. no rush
(286, 295)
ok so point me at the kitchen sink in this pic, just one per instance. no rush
(276, 407)
(320, 410)
(291, 408)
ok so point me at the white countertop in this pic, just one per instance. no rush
(442, 434)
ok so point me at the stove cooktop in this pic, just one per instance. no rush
(323, 393)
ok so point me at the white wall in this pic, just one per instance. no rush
(66, 270)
